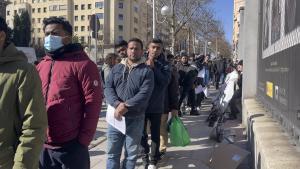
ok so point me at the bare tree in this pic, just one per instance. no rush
(182, 12)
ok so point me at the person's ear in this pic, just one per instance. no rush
(67, 40)
(2, 38)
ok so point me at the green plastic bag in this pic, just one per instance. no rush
(178, 133)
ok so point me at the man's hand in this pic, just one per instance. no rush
(150, 62)
(120, 111)
(174, 113)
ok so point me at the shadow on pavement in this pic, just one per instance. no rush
(96, 153)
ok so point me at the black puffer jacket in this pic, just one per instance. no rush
(172, 92)
(187, 76)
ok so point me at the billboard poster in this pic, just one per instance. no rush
(266, 9)
(276, 21)
(278, 66)
(292, 15)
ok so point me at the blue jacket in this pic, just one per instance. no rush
(130, 85)
(162, 77)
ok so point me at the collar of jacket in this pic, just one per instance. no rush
(125, 62)
(73, 47)
(185, 64)
(10, 54)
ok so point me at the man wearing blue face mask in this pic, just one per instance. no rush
(73, 95)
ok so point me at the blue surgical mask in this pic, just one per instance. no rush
(53, 43)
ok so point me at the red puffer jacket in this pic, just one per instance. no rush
(73, 94)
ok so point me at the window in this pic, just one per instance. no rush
(89, 6)
(82, 39)
(120, 38)
(135, 30)
(39, 10)
(82, 7)
(136, 9)
(88, 28)
(53, 8)
(7, 13)
(33, 10)
(21, 10)
(99, 5)
(62, 7)
(76, 7)
(121, 17)
(89, 17)
(76, 18)
(39, 41)
(33, 20)
(76, 28)
(82, 28)
(39, 20)
(120, 28)
(100, 15)
(45, 10)
(135, 20)
(121, 6)
(82, 17)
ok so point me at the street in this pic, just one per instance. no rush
(195, 155)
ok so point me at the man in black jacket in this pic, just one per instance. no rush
(162, 75)
(220, 66)
(187, 77)
(236, 103)
(171, 105)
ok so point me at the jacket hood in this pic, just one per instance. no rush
(125, 62)
(11, 54)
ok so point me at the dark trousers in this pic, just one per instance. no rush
(191, 98)
(217, 80)
(236, 103)
(72, 156)
(199, 98)
(154, 120)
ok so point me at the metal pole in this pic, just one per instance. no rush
(205, 47)
(173, 27)
(154, 18)
(216, 46)
(96, 38)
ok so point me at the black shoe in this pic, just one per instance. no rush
(162, 154)
(232, 117)
(194, 113)
(179, 114)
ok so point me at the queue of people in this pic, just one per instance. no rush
(49, 113)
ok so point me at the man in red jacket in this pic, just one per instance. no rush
(72, 90)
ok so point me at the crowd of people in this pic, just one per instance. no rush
(61, 98)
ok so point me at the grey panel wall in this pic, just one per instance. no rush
(279, 61)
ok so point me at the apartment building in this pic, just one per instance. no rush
(119, 19)
(3, 4)
(238, 7)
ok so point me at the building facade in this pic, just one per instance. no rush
(237, 14)
(3, 4)
(271, 110)
(119, 19)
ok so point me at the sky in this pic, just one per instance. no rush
(224, 12)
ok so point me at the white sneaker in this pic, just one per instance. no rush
(151, 166)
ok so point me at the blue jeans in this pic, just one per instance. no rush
(131, 142)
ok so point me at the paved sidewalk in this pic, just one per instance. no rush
(194, 155)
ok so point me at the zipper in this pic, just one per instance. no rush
(49, 81)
